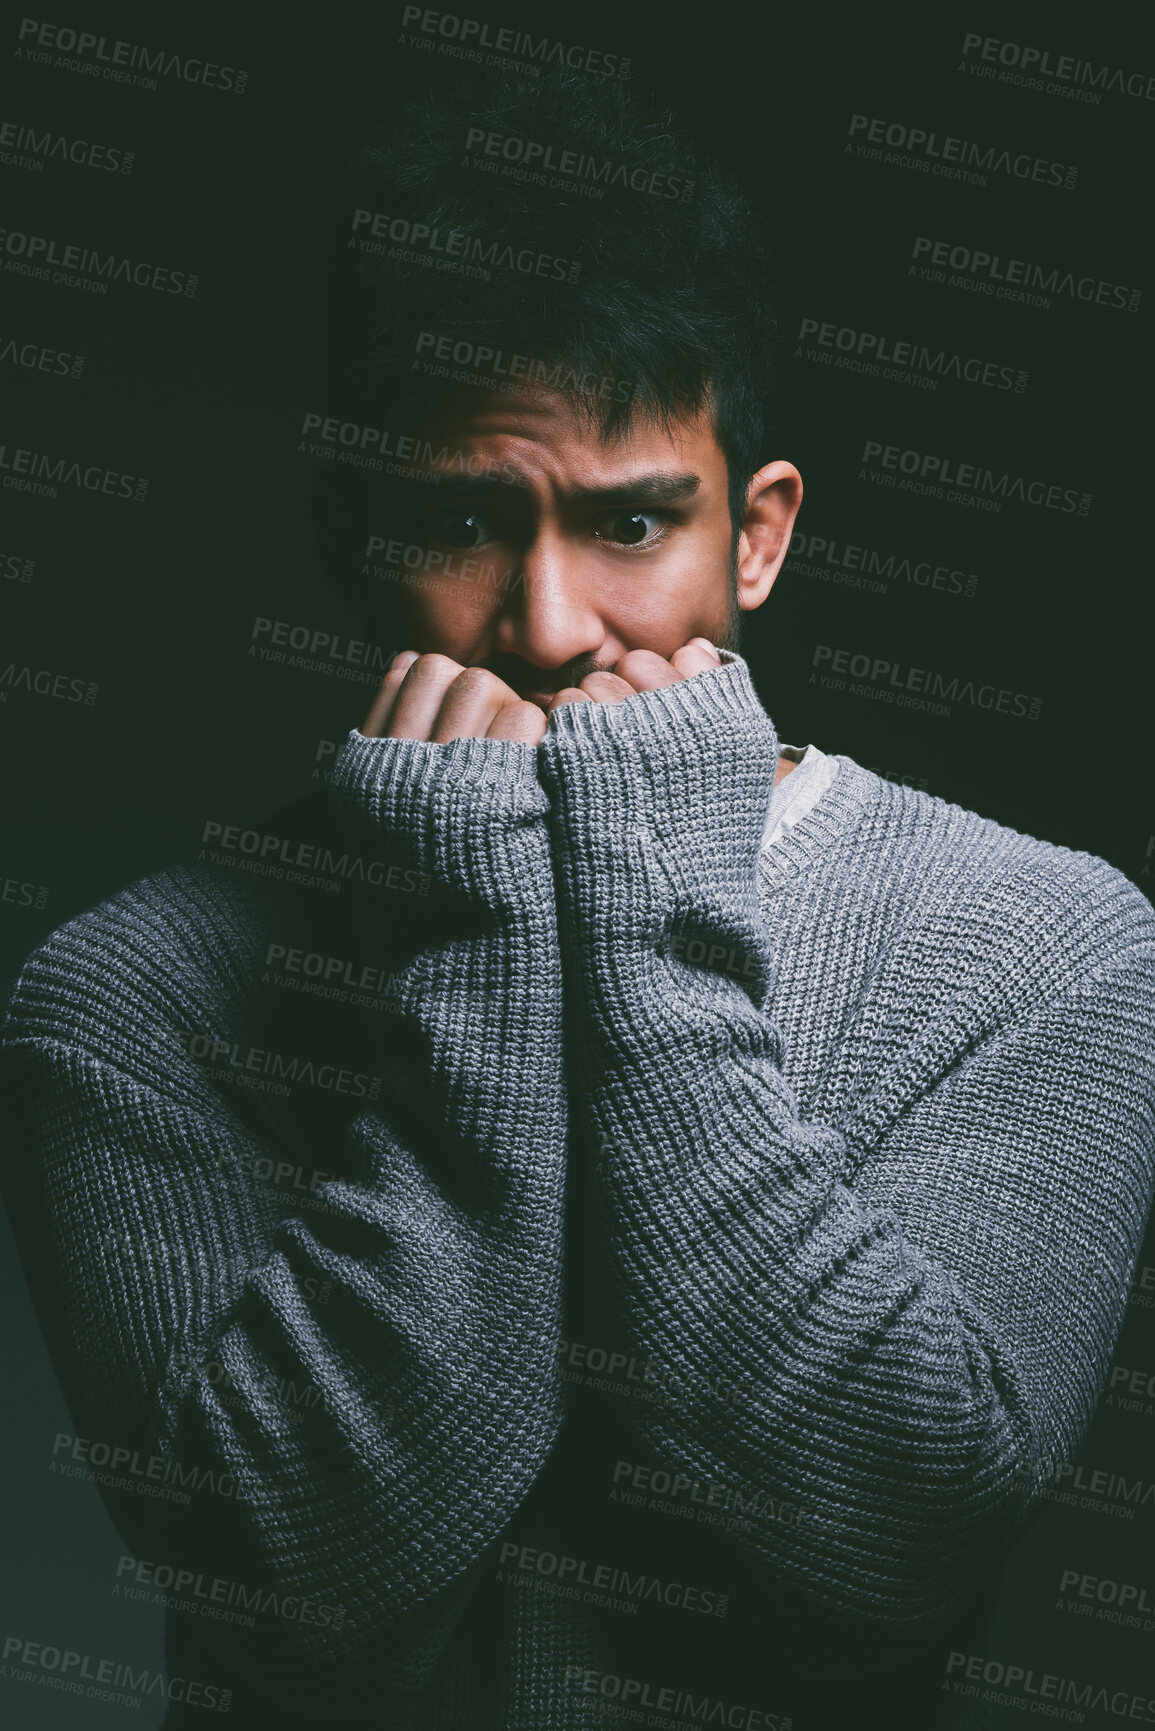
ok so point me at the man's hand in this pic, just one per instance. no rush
(434, 698)
(641, 670)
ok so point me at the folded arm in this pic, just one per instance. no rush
(812, 1350)
(419, 1300)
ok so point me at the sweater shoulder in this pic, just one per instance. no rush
(183, 947)
(173, 949)
(1033, 915)
(912, 933)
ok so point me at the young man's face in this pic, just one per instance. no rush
(549, 553)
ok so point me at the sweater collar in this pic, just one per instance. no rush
(836, 813)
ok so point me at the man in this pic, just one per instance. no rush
(704, 1210)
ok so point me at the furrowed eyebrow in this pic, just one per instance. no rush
(658, 488)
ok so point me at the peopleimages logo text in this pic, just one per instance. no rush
(918, 686)
(1066, 68)
(1020, 1680)
(943, 472)
(223, 1055)
(217, 1590)
(606, 1578)
(912, 356)
(112, 59)
(991, 267)
(635, 1693)
(40, 251)
(917, 142)
(314, 857)
(488, 365)
(36, 471)
(38, 357)
(856, 565)
(530, 154)
(455, 243)
(24, 147)
(469, 35)
(46, 683)
(112, 1680)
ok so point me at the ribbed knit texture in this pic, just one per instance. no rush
(424, 1300)
(865, 1179)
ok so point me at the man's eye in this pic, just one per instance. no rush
(631, 528)
(460, 529)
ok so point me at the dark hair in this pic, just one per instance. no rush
(669, 313)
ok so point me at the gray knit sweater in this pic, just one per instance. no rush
(834, 1158)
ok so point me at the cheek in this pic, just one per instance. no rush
(453, 609)
(663, 625)
(688, 596)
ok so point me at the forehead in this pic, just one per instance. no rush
(536, 429)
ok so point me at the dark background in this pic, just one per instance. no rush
(205, 396)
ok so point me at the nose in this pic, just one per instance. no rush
(549, 617)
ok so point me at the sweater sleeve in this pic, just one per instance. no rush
(811, 1349)
(417, 1299)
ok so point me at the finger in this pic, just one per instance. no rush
(470, 704)
(524, 722)
(692, 659)
(568, 694)
(645, 670)
(375, 723)
(605, 687)
(704, 643)
(419, 698)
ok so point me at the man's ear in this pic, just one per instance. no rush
(772, 501)
(337, 500)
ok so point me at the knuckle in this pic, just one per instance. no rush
(434, 666)
(479, 681)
